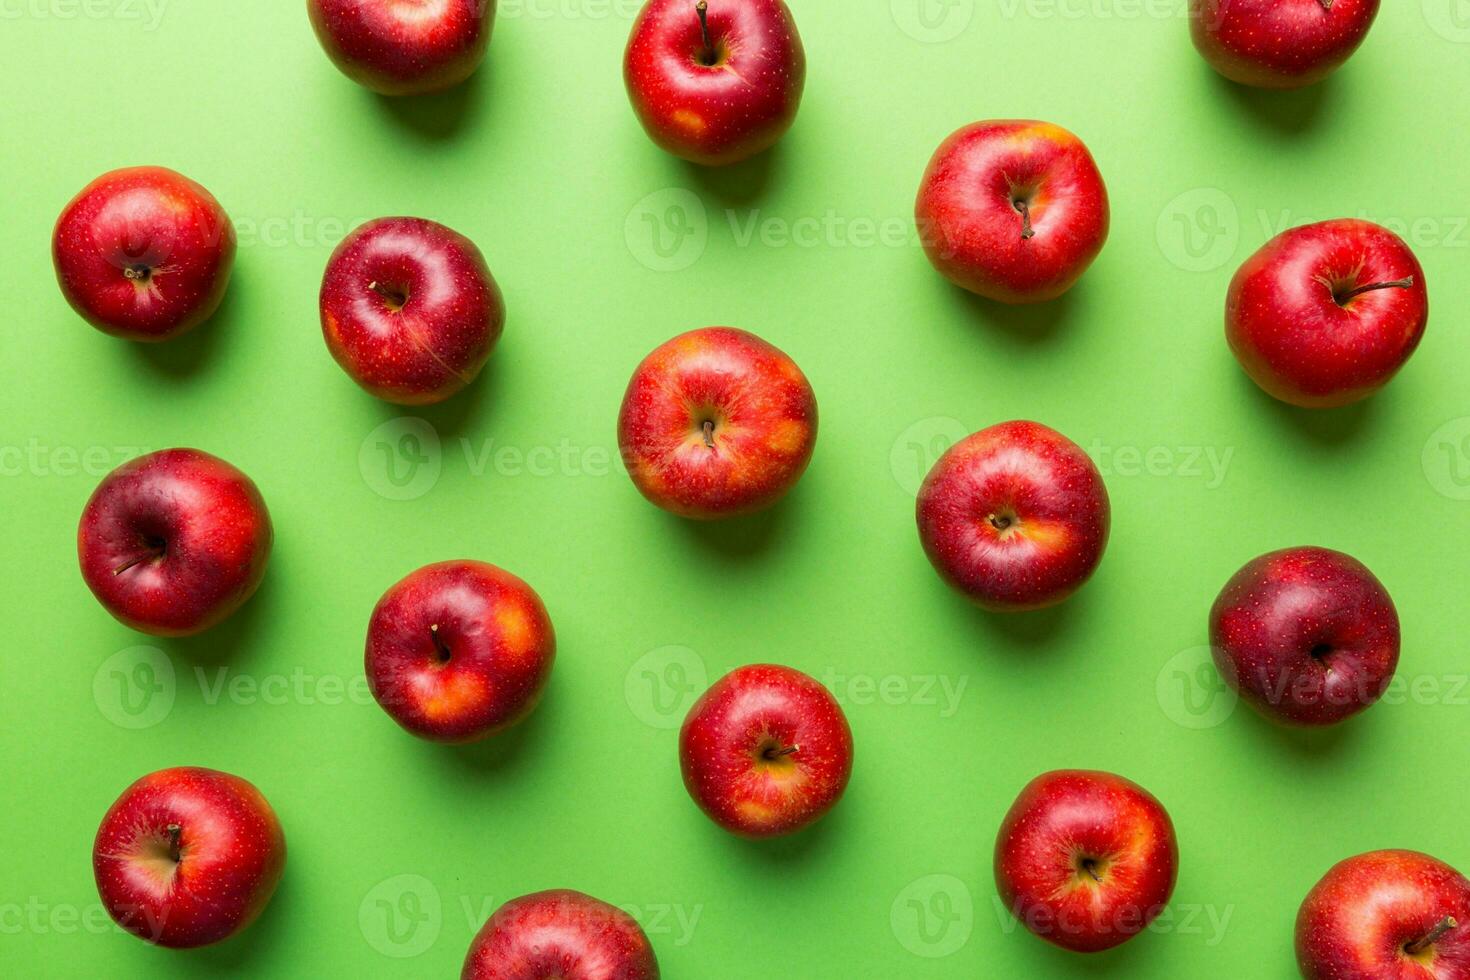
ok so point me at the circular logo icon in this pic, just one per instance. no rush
(667, 230)
(1199, 229)
(401, 459)
(1191, 691)
(401, 917)
(1450, 19)
(932, 21)
(663, 684)
(919, 447)
(1446, 459)
(135, 688)
(933, 916)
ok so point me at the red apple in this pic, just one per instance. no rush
(560, 935)
(174, 542)
(1325, 314)
(716, 423)
(765, 751)
(188, 856)
(404, 47)
(1307, 636)
(1012, 209)
(459, 650)
(1085, 860)
(1279, 43)
(718, 81)
(1386, 915)
(410, 310)
(1015, 516)
(143, 253)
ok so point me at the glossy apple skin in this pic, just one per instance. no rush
(173, 542)
(765, 751)
(1303, 346)
(725, 112)
(459, 650)
(1062, 821)
(1279, 43)
(1015, 517)
(971, 225)
(560, 935)
(1306, 636)
(764, 418)
(434, 342)
(1357, 922)
(404, 47)
(143, 253)
(231, 853)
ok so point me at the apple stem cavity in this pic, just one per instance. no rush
(138, 273)
(154, 551)
(1026, 230)
(1090, 866)
(1430, 938)
(1344, 298)
(1326, 4)
(773, 753)
(708, 56)
(174, 833)
(396, 299)
(709, 433)
(439, 644)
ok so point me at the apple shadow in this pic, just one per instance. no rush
(1302, 743)
(439, 116)
(1028, 324)
(230, 641)
(737, 183)
(510, 750)
(238, 955)
(742, 538)
(458, 413)
(183, 356)
(1322, 426)
(1287, 111)
(782, 855)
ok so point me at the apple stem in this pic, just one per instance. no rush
(709, 434)
(774, 754)
(702, 8)
(1326, 4)
(174, 832)
(439, 644)
(1026, 230)
(1404, 283)
(1429, 939)
(1090, 866)
(154, 552)
(395, 298)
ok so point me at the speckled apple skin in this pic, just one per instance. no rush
(1064, 817)
(1302, 346)
(1283, 605)
(1356, 922)
(211, 524)
(404, 47)
(231, 856)
(143, 219)
(974, 233)
(724, 739)
(764, 415)
(500, 646)
(1045, 486)
(1279, 43)
(435, 343)
(560, 935)
(723, 113)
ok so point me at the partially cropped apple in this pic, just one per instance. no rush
(560, 935)
(765, 751)
(188, 857)
(173, 542)
(1086, 860)
(1279, 43)
(459, 650)
(404, 47)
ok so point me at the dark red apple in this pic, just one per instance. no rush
(560, 935)
(1386, 915)
(1012, 209)
(765, 751)
(1325, 314)
(1015, 516)
(1279, 43)
(1085, 860)
(717, 423)
(174, 542)
(404, 47)
(1307, 636)
(188, 857)
(410, 310)
(718, 81)
(143, 253)
(459, 650)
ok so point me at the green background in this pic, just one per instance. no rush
(401, 847)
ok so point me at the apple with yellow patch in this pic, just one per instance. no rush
(765, 751)
(459, 650)
(717, 423)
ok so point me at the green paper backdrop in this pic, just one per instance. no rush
(605, 247)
